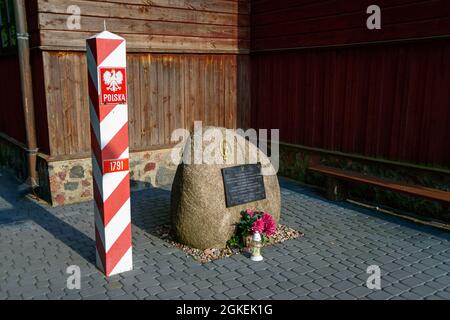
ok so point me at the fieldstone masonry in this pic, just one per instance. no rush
(13, 158)
(70, 181)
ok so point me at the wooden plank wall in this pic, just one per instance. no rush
(166, 91)
(389, 101)
(327, 81)
(188, 60)
(220, 26)
(305, 23)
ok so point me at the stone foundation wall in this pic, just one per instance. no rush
(294, 163)
(13, 158)
(70, 181)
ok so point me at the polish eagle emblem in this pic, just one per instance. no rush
(113, 80)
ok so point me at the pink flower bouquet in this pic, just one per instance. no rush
(252, 222)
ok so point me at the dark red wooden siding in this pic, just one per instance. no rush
(389, 101)
(11, 113)
(318, 75)
(304, 23)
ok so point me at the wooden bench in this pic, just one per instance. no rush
(336, 190)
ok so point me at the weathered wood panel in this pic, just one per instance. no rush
(156, 26)
(389, 101)
(292, 24)
(40, 105)
(67, 104)
(166, 92)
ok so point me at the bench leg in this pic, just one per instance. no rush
(336, 190)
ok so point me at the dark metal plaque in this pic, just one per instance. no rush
(243, 184)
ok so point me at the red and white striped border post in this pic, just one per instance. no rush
(106, 60)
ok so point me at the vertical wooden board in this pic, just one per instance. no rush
(134, 102)
(206, 94)
(174, 95)
(268, 102)
(401, 108)
(330, 102)
(80, 110)
(327, 110)
(221, 90)
(339, 98)
(254, 90)
(52, 88)
(180, 92)
(186, 91)
(428, 124)
(84, 103)
(40, 103)
(392, 82)
(308, 135)
(413, 101)
(300, 132)
(369, 117)
(244, 93)
(154, 103)
(70, 115)
(165, 108)
(192, 71)
(231, 112)
(131, 102)
(439, 107)
(160, 106)
(318, 98)
(345, 139)
(282, 116)
(214, 92)
(202, 87)
(360, 102)
(145, 99)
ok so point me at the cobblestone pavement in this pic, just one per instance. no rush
(341, 240)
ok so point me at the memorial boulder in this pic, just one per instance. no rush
(208, 196)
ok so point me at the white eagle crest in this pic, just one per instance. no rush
(113, 80)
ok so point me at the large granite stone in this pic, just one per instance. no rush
(199, 214)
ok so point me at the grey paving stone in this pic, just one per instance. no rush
(410, 296)
(318, 295)
(235, 292)
(443, 295)
(283, 296)
(191, 296)
(202, 284)
(444, 279)
(261, 294)
(400, 274)
(170, 294)
(205, 293)
(423, 290)
(379, 295)
(359, 292)
(343, 286)
(412, 282)
(311, 287)
(329, 291)
(286, 285)
(438, 286)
